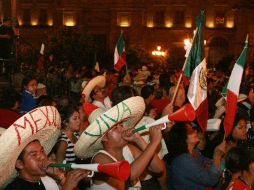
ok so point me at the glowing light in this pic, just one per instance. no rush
(150, 24)
(159, 52)
(210, 24)
(50, 22)
(124, 24)
(188, 24)
(187, 41)
(20, 22)
(169, 24)
(34, 22)
(69, 23)
(230, 24)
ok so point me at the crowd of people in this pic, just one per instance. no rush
(77, 116)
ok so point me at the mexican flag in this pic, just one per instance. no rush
(233, 89)
(120, 54)
(196, 70)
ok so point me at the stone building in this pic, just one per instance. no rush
(146, 23)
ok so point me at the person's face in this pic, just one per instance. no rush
(202, 141)
(34, 162)
(192, 136)
(32, 86)
(153, 113)
(115, 134)
(74, 122)
(240, 130)
(99, 93)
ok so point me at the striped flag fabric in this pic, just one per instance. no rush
(120, 54)
(233, 88)
(196, 70)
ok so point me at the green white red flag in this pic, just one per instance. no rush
(120, 54)
(196, 70)
(233, 89)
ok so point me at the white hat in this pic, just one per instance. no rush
(90, 140)
(42, 123)
(90, 85)
(213, 124)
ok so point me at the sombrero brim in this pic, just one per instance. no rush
(41, 123)
(90, 85)
(90, 140)
(2, 130)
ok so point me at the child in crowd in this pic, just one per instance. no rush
(28, 99)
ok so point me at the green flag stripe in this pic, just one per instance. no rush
(120, 45)
(197, 52)
(242, 59)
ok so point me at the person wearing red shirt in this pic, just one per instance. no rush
(9, 107)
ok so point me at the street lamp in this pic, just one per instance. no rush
(158, 52)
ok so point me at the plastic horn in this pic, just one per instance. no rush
(120, 170)
(186, 113)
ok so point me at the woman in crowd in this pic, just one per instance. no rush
(69, 136)
(188, 169)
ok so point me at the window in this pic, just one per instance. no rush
(179, 18)
(123, 19)
(43, 17)
(27, 16)
(69, 18)
(159, 18)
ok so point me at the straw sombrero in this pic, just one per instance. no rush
(2, 130)
(42, 123)
(90, 85)
(90, 140)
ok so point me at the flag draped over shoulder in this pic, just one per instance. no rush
(233, 89)
(196, 70)
(120, 54)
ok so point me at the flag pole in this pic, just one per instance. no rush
(181, 75)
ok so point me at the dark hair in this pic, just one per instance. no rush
(146, 91)
(232, 160)
(26, 80)
(252, 114)
(45, 100)
(122, 93)
(246, 156)
(176, 141)
(68, 113)
(9, 97)
(238, 117)
(232, 164)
